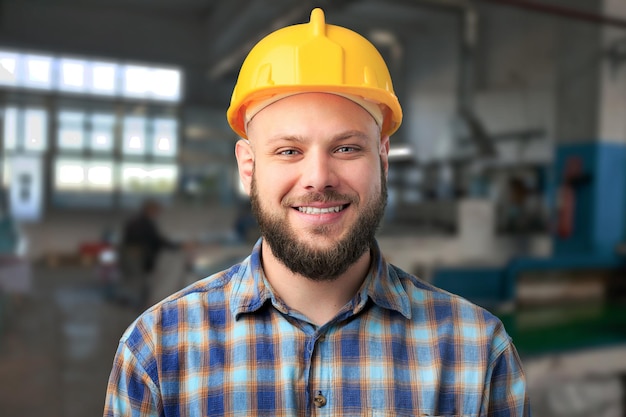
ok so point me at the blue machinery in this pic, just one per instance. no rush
(588, 194)
(574, 351)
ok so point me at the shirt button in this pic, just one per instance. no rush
(319, 400)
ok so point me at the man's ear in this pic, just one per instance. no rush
(245, 163)
(384, 153)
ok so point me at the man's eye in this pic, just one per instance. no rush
(288, 152)
(346, 149)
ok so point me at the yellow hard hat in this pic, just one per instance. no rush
(314, 57)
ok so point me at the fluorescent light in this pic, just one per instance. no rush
(402, 151)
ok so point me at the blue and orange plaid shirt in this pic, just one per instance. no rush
(227, 346)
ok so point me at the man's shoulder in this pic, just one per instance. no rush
(191, 305)
(214, 288)
(434, 305)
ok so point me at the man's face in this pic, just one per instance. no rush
(315, 170)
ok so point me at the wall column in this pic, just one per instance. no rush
(589, 177)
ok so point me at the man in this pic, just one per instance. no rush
(142, 243)
(315, 322)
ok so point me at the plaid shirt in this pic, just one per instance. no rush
(227, 346)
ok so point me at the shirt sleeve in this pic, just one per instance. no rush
(130, 390)
(506, 390)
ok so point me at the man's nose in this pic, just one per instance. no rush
(319, 172)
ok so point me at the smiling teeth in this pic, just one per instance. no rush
(314, 210)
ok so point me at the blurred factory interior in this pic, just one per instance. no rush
(507, 182)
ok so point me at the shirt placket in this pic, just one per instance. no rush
(320, 388)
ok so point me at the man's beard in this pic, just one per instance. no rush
(320, 264)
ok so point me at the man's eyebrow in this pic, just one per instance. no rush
(349, 134)
(284, 138)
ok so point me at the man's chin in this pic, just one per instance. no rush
(319, 239)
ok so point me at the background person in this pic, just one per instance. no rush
(141, 245)
(15, 269)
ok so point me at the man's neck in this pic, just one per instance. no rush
(319, 301)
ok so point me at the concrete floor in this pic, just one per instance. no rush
(56, 348)
(56, 351)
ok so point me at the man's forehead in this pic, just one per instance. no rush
(301, 99)
(292, 116)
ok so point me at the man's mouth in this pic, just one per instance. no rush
(321, 210)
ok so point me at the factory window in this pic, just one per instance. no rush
(148, 178)
(164, 140)
(8, 68)
(146, 82)
(37, 72)
(25, 129)
(84, 76)
(72, 75)
(103, 76)
(74, 135)
(166, 84)
(157, 137)
(10, 128)
(71, 130)
(102, 131)
(35, 130)
(145, 166)
(100, 176)
(76, 175)
(134, 136)
(136, 81)
(103, 150)
(69, 175)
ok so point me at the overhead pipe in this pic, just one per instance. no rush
(466, 117)
(477, 132)
(465, 107)
(561, 11)
(236, 56)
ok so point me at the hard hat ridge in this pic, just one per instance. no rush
(317, 22)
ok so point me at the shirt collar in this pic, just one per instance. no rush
(382, 285)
